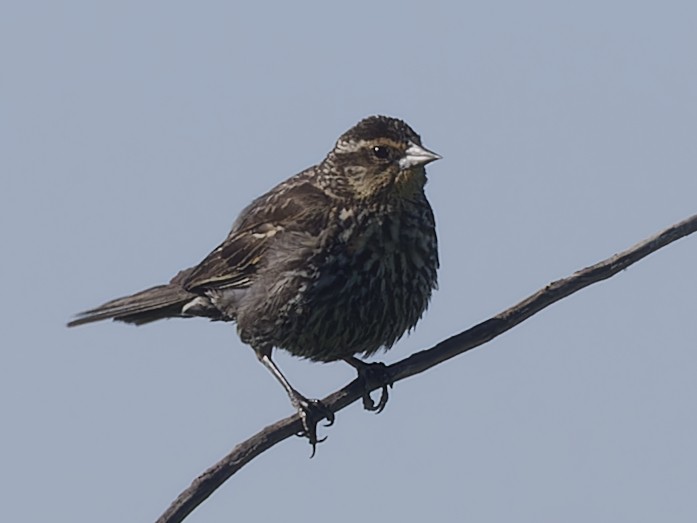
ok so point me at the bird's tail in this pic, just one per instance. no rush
(156, 303)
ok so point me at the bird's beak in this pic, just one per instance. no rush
(417, 155)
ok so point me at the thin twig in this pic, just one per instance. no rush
(214, 477)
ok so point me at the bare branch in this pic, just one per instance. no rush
(214, 477)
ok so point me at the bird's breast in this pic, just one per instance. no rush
(371, 285)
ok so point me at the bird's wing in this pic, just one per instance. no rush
(292, 206)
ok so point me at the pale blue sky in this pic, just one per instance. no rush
(132, 133)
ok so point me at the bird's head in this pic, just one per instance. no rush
(379, 157)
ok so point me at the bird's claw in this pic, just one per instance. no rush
(311, 412)
(369, 404)
(370, 372)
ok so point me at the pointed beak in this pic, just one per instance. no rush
(417, 155)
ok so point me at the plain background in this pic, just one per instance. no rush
(132, 133)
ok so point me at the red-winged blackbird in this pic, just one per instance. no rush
(338, 260)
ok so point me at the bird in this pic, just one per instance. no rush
(337, 261)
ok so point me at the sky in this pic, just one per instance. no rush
(131, 135)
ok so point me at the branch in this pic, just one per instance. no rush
(214, 477)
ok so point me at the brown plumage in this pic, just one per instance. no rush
(338, 260)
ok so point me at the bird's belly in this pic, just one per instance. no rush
(359, 302)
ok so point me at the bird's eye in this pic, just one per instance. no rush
(382, 152)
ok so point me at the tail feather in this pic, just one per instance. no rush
(156, 303)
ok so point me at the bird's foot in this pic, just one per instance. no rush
(311, 412)
(370, 373)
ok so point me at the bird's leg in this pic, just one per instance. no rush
(311, 411)
(369, 372)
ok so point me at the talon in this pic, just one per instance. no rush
(384, 396)
(311, 412)
(371, 372)
(369, 404)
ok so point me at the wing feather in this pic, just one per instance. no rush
(292, 206)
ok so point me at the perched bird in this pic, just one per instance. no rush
(336, 261)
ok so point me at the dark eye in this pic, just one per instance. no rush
(382, 152)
